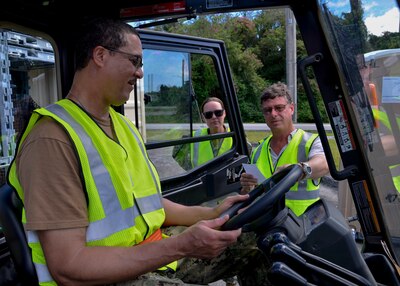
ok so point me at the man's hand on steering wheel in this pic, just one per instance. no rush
(228, 202)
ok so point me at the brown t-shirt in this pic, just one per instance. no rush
(49, 173)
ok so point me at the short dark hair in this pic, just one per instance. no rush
(209, 99)
(100, 32)
(278, 89)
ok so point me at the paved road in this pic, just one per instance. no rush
(247, 126)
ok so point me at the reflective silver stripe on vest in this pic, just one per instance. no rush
(258, 151)
(116, 219)
(32, 236)
(301, 153)
(125, 218)
(395, 170)
(196, 147)
(302, 193)
(43, 273)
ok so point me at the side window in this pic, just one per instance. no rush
(169, 97)
(28, 80)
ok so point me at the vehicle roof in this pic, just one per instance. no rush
(374, 55)
(54, 13)
(58, 20)
(42, 13)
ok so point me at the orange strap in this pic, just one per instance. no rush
(374, 96)
(157, 235)
(374, 103)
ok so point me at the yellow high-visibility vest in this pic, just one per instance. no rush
(303, 193)
(201, 152)
(124, 207)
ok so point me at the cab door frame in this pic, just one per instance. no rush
(220, 176)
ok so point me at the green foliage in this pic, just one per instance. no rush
(355, 28)
(205, 81)
(271, 47)
(304, 113)
(175, 99)
(387, 41)
(240, 37)
(256, 46)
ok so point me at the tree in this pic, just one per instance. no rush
(388, 40)
(240, 38)
(255, 43)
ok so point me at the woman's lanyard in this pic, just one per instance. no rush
(217, 147)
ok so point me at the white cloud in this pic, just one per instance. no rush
(338, 4)
(369, 6)
(388, 22)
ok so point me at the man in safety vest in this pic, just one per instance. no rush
(285, 146)
(93, 207)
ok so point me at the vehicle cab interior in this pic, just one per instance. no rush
(359, 89)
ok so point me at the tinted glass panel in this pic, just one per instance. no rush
(170, 95)
(365, 40)
(28, 80)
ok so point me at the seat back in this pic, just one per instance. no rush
(10, 220)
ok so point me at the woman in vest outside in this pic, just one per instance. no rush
(192, 155)
(285, 146)
(213, 114)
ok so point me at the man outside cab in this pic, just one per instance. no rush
(285, 146)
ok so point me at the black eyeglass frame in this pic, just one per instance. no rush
(217, 113)
(136, 61)
(278, 108)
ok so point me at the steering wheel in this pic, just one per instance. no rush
(262, 198)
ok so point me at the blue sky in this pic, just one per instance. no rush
(380, 15)
(164, 67)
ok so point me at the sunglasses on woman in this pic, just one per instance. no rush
(209, 114)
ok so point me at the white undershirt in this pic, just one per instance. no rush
(316, 148)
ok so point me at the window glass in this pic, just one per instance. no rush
(28, 80)
(169, 97)
(369, 57)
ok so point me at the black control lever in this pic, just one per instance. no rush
(281, 274)
(319, 268)
(302, 65)
(279, 238)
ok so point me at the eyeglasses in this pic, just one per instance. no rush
(137, 61)
(209, 114)
(277, 108)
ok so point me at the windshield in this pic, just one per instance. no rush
(365, 39)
